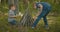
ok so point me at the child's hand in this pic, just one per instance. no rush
(34, 17)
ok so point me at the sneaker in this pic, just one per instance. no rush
(32, 27)
(47, 27)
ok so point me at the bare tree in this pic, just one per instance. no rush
(25, 2)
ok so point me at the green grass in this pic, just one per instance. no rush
(54, 24)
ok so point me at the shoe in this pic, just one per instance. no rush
(47, 27)
(32, 27)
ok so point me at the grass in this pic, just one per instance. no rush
(54, 24)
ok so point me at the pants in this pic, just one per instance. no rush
(43, 15)
(13, 22)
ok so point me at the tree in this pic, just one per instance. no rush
(25, 2)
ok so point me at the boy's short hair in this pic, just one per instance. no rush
(11, 5)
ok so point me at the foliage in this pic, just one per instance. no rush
(54, 3)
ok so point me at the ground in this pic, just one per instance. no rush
(54, 24)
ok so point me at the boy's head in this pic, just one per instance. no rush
(34, 4)
(12, 7)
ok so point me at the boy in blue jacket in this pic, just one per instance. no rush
(44, 9)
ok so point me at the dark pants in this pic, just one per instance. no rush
(43, 15)
(13, 22)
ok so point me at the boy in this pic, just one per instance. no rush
(44, 9)
(11, 15)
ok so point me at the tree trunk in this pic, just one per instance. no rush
(25, 2)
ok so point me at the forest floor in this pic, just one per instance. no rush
(54, 24)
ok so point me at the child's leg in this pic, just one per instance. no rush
(39, 17)
(12, 25)
(14, 22)
(45, 20)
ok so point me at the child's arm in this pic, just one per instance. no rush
(15, 16)
(40, 10)
(12, 15)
